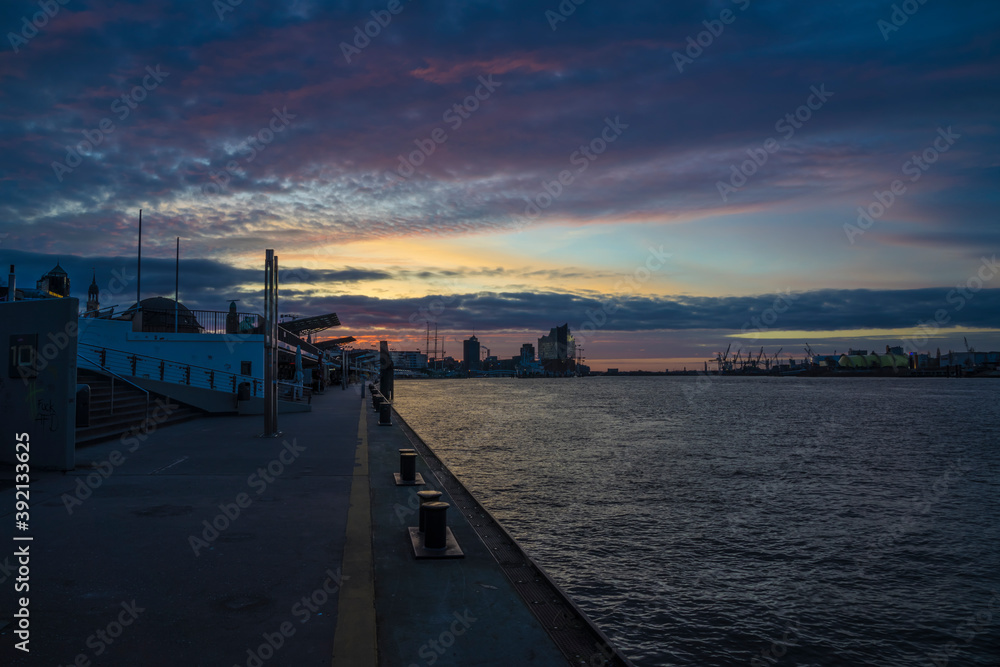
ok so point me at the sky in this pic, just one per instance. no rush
(666, 178)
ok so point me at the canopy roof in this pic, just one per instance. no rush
(311, 325)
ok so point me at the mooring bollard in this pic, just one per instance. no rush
(435, 520)
(407, 465)
(376, 401)
(385, 414)
(407, 475)
(426, 497)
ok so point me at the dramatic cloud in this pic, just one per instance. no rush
(787, 145)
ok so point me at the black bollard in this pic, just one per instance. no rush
(435, 524)
(385, 414)
(426, 497)
(408, 466)
(407, 475)
(376, 401)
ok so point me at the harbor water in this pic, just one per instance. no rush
(745, 521)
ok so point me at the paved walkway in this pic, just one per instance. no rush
(244, 588)
(461, 612)
(205, 544)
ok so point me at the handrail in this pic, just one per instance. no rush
(145, 422)
(291, 391)
(187, 374)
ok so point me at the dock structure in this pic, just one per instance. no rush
(205, 544)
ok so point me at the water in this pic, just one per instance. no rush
(746, 521)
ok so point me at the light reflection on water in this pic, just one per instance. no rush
(788, 521)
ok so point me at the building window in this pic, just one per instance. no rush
(245, 367)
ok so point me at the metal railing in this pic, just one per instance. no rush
(137, 365)
(217, 322)
(289, 391)
(201, 321)
(126, 381)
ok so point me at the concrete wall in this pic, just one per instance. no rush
(38, 390)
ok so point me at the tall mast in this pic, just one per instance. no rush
(138, 277)
(177, 279)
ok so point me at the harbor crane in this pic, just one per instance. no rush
(721, 358)
(774, 360)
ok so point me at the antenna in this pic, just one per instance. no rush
(177, 282)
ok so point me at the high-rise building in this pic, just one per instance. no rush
(559, 344)
(470, 354)
(527, 353)
(556, 351)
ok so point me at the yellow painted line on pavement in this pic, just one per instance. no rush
(355, 643)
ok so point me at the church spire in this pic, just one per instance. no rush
(93, 295)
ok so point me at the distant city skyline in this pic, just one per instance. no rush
(665, 178)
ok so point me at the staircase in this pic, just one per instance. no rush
(129, 409)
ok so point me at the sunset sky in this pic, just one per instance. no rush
(665, 172)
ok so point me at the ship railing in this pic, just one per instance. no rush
(142, 366)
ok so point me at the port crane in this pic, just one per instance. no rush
(774, 360)
(971, 360)
(721, 358)
(756, 364)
